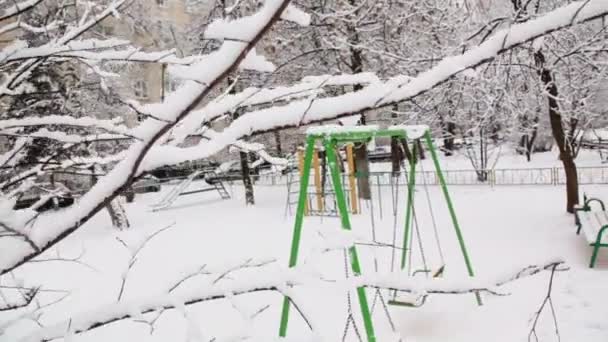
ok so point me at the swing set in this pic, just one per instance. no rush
(321, 201)
(332, 137)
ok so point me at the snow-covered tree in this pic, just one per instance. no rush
(193, 109)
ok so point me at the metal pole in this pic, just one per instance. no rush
(354, 259)
(317, 178)
(410, 205)
(351, 178)
(302, 168)
(379, 195)
(297, 230)
(446, 194)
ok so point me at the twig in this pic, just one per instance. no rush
(134, 254)
(547, 300)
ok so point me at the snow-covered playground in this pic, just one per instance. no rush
(226, 245)
(304, 171)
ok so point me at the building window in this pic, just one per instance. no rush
(171, 85)
(140, 89)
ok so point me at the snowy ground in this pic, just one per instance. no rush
(503, 227)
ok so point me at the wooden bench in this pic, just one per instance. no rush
(594, 224)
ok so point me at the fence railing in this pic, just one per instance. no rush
(529, 176)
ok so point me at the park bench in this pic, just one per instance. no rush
(594, 224)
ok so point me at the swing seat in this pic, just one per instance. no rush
(436, 273)
(409, 300)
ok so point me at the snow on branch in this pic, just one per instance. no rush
(212, 70)
(18, 8)
(20, 299)
(19, 24)
(207, 74)
(112, 125)
(252, 97)
(296, 15)
(23, 71)
(404, 283)
(64, 137)
(380, 94)
(132, 55)
(285, 282)
(11, 156)
(50, 49)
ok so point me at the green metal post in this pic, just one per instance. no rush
(444, 188)
(297, 229)
(354, 258)
(410, 206)
(597, 245)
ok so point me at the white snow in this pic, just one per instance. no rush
(208, 233)
(333, 129)
(537, 44)
(412, 131)
(253, 61)
(504, 227)
(296, 15)
(397, 89)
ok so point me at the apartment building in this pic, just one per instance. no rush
(164, 25)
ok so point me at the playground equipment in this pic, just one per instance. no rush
(210, 177)
(321, 199)
(332, 137)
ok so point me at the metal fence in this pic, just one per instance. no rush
(529, 176)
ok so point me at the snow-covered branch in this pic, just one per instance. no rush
(207, 74)
(19, 24)
(20, 52)
(111, 126)
(286, 283)
(18, 8)
(311, 86)
(379, 94)
(214, 68)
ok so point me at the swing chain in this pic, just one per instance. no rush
(349, 317)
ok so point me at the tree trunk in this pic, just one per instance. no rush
(406, 150)
(362, 167)
(323, 159)
(420, 149)
(396, 156)
(356, 66)
(483, 161)
(566, 154)
(277, 141)
(448, 140)
(530, 143)
(117, 213)
(245, 171)
(244, 157)
(557, 129)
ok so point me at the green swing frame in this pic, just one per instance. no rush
(363, 134)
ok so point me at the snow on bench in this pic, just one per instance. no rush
(594, 224)
(591, 223)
